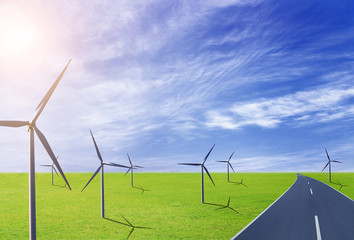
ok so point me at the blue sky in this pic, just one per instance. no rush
(165, 80)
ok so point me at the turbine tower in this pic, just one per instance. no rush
(329, 165)
(131, 169)
(31, 129)
(228, 164)
(202, 169)
(102, 173)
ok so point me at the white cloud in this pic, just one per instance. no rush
(319, 105)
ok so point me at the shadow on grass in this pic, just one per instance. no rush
(60, 186)
(223, 206)
(339, 184)
(142, 189)
(239, 183)
(128, 224)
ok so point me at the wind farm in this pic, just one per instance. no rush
(209, 120)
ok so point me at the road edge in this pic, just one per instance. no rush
(243, 229)
(331, 187)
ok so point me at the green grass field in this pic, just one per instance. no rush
(172, 209)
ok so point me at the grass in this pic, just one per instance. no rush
(173, 208)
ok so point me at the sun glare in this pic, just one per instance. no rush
(17, 36)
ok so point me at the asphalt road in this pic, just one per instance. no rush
(309, 209)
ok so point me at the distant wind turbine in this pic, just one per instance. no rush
(228, 164)
(202, 169)
(31, 128)
(329, 165)
(102, 175)
(52, 167)
(131, 169)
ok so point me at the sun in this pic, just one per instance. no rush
(17, 36)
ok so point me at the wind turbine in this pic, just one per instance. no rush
(31, 129)
(131, 169)
(52, 167)
(102, 176)
(202, 169)
(329, 165)
(228, 165)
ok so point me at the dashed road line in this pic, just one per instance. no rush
(318, 231)
(311, 191)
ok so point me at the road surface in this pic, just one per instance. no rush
(309, 209)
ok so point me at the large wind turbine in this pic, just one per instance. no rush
(31, 128)
(131, 169)
(202, 168)
(102, 176)
(228, 164)
(329, 165)
(52, 167)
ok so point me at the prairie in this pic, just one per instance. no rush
(171, 210)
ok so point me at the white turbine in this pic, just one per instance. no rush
(32, 126)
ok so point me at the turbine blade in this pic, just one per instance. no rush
(46, 165)
(116, 165)
(129, 160)
(97, 150)
(336, 161)
(231, 166)
(51, 154)
(209, 175)
(190, 164)
(206, 157)
(94, 175)
(14, 123)
(231, 155)
(327, 155)
(44, 101)
(222, 161)
(325, 167)
(138, 166)
(127, 171)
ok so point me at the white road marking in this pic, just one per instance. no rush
(308, 183)
(311, 190)
(318, 232)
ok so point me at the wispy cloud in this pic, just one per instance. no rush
(304, 107)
